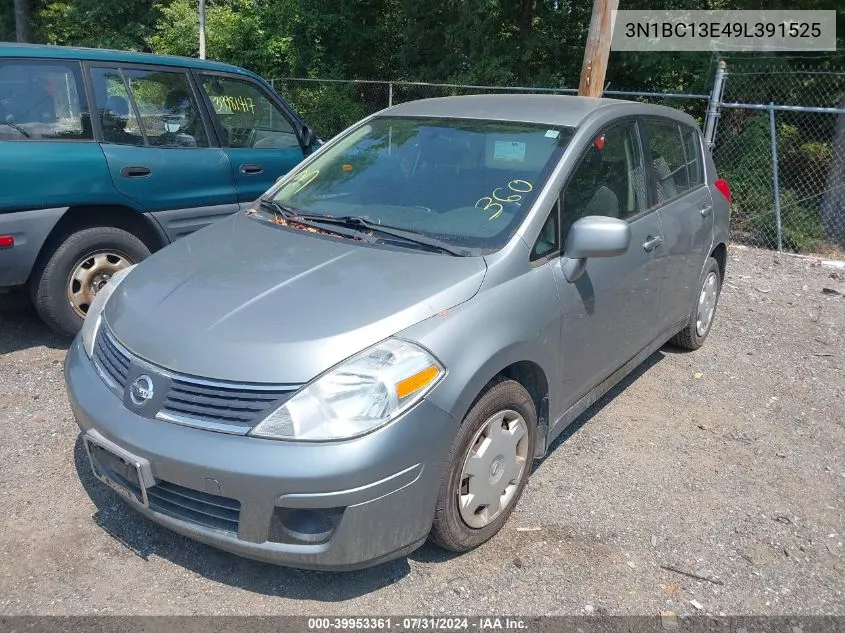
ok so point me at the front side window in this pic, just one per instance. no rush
(609, 180)
(42, 100)
(248, 116)
(153, 107)
(467, 183)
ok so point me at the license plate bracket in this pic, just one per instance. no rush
(125, 473)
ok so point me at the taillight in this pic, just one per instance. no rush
(7, 241)
(723, 186)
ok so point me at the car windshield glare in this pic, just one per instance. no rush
(467, 183)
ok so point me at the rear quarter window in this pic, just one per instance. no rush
(42, 100)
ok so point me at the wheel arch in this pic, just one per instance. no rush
(79, 217)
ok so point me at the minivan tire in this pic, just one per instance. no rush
(690, 338)
(49, 281)
(449, 530)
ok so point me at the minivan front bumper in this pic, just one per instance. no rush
(377, 493)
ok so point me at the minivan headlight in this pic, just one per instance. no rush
(94, 316)
(361, 394)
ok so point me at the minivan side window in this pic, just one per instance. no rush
(609, 180)
(692, 153)
(43, 100)
(675, 157)
(548, 241)
(247, 115)
(154, 107)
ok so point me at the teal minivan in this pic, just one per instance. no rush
(107, 156)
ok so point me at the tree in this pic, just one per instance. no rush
(23, 21)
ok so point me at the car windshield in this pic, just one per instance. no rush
(466, 183)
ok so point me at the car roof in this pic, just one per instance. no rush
(43, 51)
(545, 109)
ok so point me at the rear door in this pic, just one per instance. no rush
(610, 313)
(257, 132)
(158, 145)
(683, 201)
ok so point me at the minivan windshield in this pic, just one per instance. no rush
(466, 183)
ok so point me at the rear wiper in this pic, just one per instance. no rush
(291, 214)
(17, 128)
(407, 236)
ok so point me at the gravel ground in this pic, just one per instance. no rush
(726, 463)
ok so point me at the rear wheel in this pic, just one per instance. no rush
(488, 467)
(701, 320)
(69, 278)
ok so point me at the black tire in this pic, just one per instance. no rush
(449, 529)
(49, 281)
(689, 338)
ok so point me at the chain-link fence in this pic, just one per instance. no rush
(780, 143)
(778, 138)
(330, 105)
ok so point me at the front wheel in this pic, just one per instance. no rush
(488, 467)
(701, 319)
(64, 285)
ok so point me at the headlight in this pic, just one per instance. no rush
(94, 316)
(361, 394)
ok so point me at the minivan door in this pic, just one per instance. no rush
(156, 141)
(610, 313)
(257, 133)
(685, 206)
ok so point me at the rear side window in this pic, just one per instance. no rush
(692, 152)
(247, 115)
(153, 107)
(42, 100)
(667, 155)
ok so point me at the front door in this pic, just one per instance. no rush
(256, 133)
(158, 148)
(610, 313)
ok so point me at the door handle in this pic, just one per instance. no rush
(705, 211)
(249, 170)
(651, 243)
(138, 171)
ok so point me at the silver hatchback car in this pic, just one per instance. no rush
(374, 353)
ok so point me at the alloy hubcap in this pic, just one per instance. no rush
(493, 468)
(706, 304)
(89, 275)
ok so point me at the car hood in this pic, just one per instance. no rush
(248, 302)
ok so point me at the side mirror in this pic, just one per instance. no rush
(306, 135)
(594, 236)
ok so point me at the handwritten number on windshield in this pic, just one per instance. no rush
(493, 203)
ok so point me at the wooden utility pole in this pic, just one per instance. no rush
(23, 21)
(597, 49)
(202, 29)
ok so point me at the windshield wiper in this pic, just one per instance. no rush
(17, 128)
(293, 215)
(407, 236)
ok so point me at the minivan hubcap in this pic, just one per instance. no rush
(493, 468)
(706, 304)
(89, 275)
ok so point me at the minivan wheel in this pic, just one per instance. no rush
(488, 467)
(701, 320)
(69, 278)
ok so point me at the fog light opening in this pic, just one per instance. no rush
(295, 525)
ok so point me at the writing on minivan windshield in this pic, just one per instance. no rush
(493, 203)
(464, 182)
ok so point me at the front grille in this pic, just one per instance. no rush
(221, 403)
(193, 506)
(210, 404)
(113, 362)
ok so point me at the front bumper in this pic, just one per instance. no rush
(381, 489)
